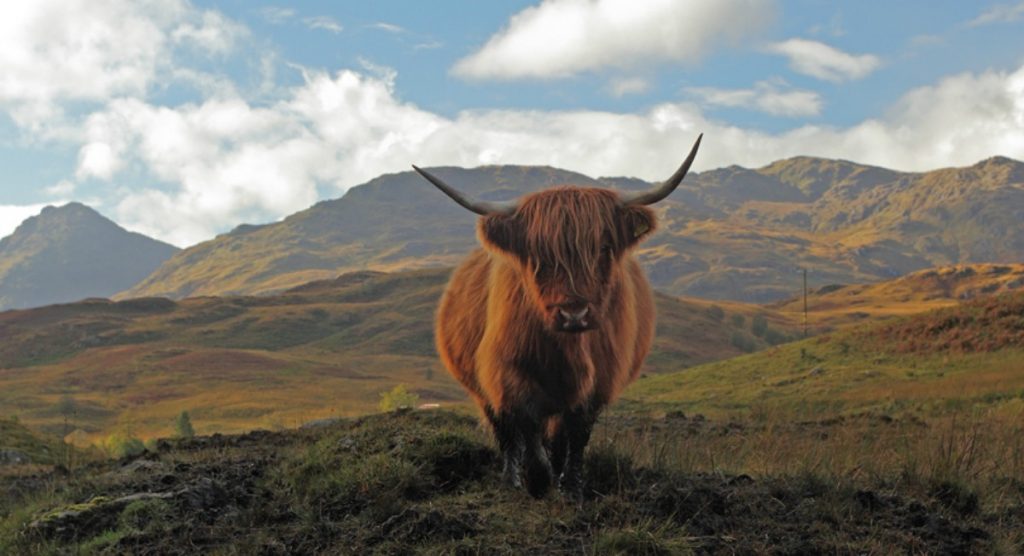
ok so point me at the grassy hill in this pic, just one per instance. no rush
(323, 349)
(72, 252)
(732, 233)
(961, 358)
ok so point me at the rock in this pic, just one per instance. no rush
(10, 456)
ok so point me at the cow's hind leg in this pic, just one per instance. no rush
(510, 443)
(578, 425)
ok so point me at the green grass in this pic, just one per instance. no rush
(947, 360)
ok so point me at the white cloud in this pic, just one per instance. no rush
(213, 33)
(11, 216)
(771, 97)
(226, 161)
(1000, 13)
(63, 188)
(323, 22)
(389, 27)
(58, 51)
(560, 38)
(820, 60)
(628, 86)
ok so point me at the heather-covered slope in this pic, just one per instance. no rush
(731, 233)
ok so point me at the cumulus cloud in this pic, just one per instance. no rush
(1000, 13)
(55, 51)
(226, 161)
(560, 38)
(820, 60)
(771, 97)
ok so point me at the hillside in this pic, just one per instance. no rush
(961, 358)
(935, 288)
(237, 363)
(732, 233)
(70, 253)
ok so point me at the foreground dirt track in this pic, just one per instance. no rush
(427, 482)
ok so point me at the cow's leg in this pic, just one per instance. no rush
(557, 444)
(535, 457)
(578, 424)
(510, 443)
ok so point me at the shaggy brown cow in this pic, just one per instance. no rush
(548, 322)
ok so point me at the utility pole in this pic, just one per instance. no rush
(805, 302)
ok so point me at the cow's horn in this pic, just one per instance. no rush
(664, 189)
(482, 208)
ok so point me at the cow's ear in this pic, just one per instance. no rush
(501, 232)
(638, 223)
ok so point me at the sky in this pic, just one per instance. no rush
(182, 120)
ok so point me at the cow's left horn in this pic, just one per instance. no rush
(663, 190)
(482, 208)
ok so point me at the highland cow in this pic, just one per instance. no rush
(549, 321)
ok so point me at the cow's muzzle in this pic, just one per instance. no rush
(574, 316)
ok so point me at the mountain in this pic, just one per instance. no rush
(731, 233)
(72, 252)
(325, 348)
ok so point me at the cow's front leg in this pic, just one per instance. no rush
(510, 444)
(535, 458)
(578, 425)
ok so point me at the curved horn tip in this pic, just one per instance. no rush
(665, 188)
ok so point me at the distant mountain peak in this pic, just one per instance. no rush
(70, 252)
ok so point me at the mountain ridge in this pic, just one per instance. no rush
(729, 233)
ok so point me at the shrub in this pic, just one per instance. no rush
(716, 313)
(743, 342)
(119, 445)
(759, 325)
(183, 426)
(398, 398)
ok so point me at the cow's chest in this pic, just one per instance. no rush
(559, 371)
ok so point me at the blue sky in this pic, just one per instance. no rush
(183, 119)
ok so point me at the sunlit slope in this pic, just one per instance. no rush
(237, 363)
(731, 233)
(836, 304)
(968, 357)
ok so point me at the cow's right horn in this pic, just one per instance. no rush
(663, 190)
(482, 208)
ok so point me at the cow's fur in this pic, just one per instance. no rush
(539, 387)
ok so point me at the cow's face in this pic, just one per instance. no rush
(568, 244)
